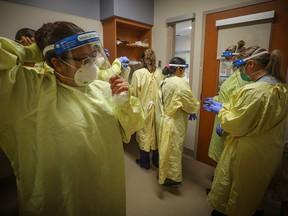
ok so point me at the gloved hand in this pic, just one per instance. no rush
(208, 100)
(124, 59)
(106, 52)
(207, 107)
(219, 130)
(215, 107)
(192, 117)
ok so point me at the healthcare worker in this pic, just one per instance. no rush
(177, 102)
(227, 89)
(145, 85)
(63, 131)
(255, 120)
(105, 71)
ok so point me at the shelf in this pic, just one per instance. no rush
(125, 30)
(132, 46)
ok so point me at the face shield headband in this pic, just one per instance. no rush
(72, 42)
(229, 54)
(178, 65)
(240, 62)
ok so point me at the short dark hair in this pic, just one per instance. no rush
(26, 32)
(168, 70)
(50, 33)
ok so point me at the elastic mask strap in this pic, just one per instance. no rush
(254, 73)
(63, 76)
(67, 63)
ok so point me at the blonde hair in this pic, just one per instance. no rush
(270, 61)
(237, 48)
(149, 60)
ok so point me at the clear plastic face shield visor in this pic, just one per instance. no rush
(80, 50)
(225, 69)
(226, 60)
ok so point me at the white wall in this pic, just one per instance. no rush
(164, 9)
(15, 16)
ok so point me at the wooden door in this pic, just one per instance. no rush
(278, 40)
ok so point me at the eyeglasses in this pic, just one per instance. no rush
(85, 60)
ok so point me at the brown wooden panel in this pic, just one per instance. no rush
(278, 40)
(125, 30)
(109, 38)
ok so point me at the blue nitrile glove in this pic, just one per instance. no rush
(106, 52)
(207, 107)
(192, 117)
(208, 100)
(219, 130)
(124, 59)
(215, 107)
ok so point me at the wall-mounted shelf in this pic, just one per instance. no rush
(129, 32)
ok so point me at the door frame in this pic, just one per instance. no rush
(278, 40)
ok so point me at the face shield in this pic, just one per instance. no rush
(82, 52)
(226, 63)
(184, 68)
(241, 62)
(82, 48)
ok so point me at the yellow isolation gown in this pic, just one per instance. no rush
(64, 143)
(255, 120)
(178, 101)
(145, 86)
(105, 75)
(227, 90)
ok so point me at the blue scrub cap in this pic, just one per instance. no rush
(240, 62)
(72, 42)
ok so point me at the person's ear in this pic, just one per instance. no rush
(178, 71)
(56, 64)
(252, 64)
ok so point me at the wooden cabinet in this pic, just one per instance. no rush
(128, 31)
